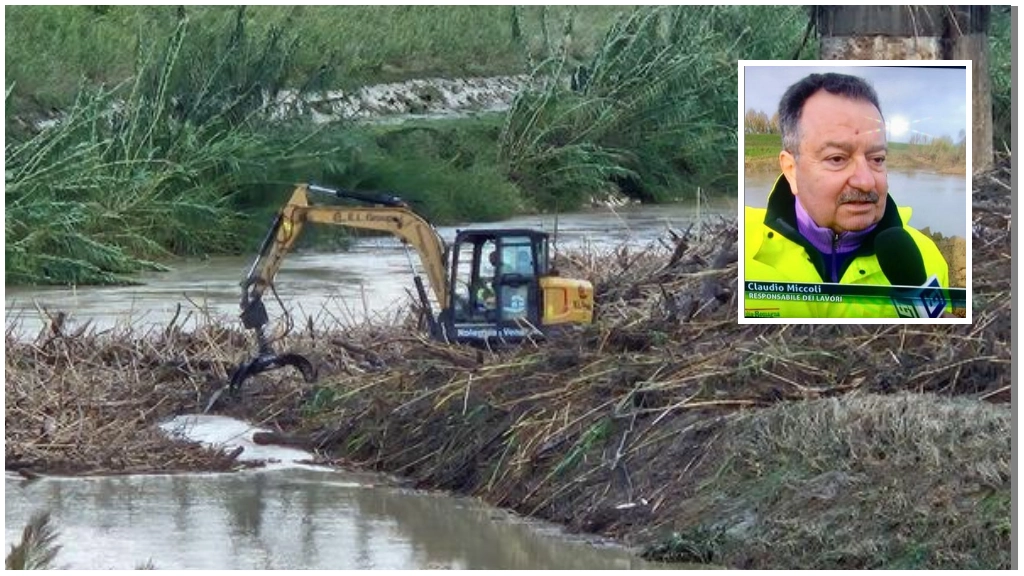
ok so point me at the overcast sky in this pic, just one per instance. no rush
(932, 99)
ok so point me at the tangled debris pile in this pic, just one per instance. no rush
(665, 423)
(641, 425)
(88, 403)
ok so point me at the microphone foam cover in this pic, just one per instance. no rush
(900, 258)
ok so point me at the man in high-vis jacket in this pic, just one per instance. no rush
(828, 207)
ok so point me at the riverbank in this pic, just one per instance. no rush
(761, 155)
(665, 424)
(210, 122)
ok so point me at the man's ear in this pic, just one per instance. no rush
(787, 162)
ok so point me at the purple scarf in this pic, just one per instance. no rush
(824, 240)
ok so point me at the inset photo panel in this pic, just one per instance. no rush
(854, 187)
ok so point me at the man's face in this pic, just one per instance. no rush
(839, 174)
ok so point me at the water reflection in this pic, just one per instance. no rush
(288, 519)
(940, 201)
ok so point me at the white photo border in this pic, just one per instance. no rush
(741, 176)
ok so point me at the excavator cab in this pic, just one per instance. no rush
(504, 291)
(495, 276)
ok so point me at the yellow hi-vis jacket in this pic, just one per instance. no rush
(774, 252)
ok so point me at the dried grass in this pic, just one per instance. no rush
(860, 481)
(87, 403)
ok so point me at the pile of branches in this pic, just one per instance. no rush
(664, 363)
(89, 403)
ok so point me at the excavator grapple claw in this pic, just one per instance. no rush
(266, 362)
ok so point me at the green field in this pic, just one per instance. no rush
(758, 146)
(51, 50)
(760, 152)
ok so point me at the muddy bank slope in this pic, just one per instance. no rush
(665, 424)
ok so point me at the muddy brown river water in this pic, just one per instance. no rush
(290, 515)
(373, 279)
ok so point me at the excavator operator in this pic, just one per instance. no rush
(486, 295)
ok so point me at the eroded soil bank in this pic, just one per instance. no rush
(665, 424)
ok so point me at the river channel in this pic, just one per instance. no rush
(371, 280)
(288, 515)
(291, 515)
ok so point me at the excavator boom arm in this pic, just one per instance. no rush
(394, 217)
(401, 222)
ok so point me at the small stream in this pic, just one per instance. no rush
(288, 515)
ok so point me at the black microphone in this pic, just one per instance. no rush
(901, 261)
(900, 258)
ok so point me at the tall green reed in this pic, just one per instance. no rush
(1000, 62)
(150, 168)
(654, 111)
(446, 168)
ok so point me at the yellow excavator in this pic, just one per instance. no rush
(491, 286)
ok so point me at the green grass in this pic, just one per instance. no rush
(147, 169)
(163, 150)
(50, 50)
(761, 152)
(761, 146)
(1000, 62)
(446, 169)
(654, 113)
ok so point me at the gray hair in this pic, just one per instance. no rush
(792, 103)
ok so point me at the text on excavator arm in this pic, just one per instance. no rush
(393, 217)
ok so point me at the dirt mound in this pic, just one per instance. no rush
(954, 250)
